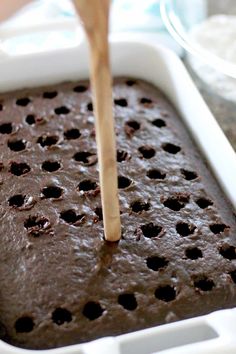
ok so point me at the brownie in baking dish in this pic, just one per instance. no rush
(61, 283)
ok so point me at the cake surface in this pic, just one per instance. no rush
(61, 283)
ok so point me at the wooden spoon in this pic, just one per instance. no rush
(95, 17)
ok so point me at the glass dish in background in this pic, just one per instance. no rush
(176, 18)
(215, 77)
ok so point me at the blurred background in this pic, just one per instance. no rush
(50, 24)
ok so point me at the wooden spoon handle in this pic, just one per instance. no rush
(105, 135)
(94, 14)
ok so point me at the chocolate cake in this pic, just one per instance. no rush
(61, 283)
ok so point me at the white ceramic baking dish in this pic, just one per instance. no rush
(209, 334)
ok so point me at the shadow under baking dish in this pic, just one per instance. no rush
(68, 286)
